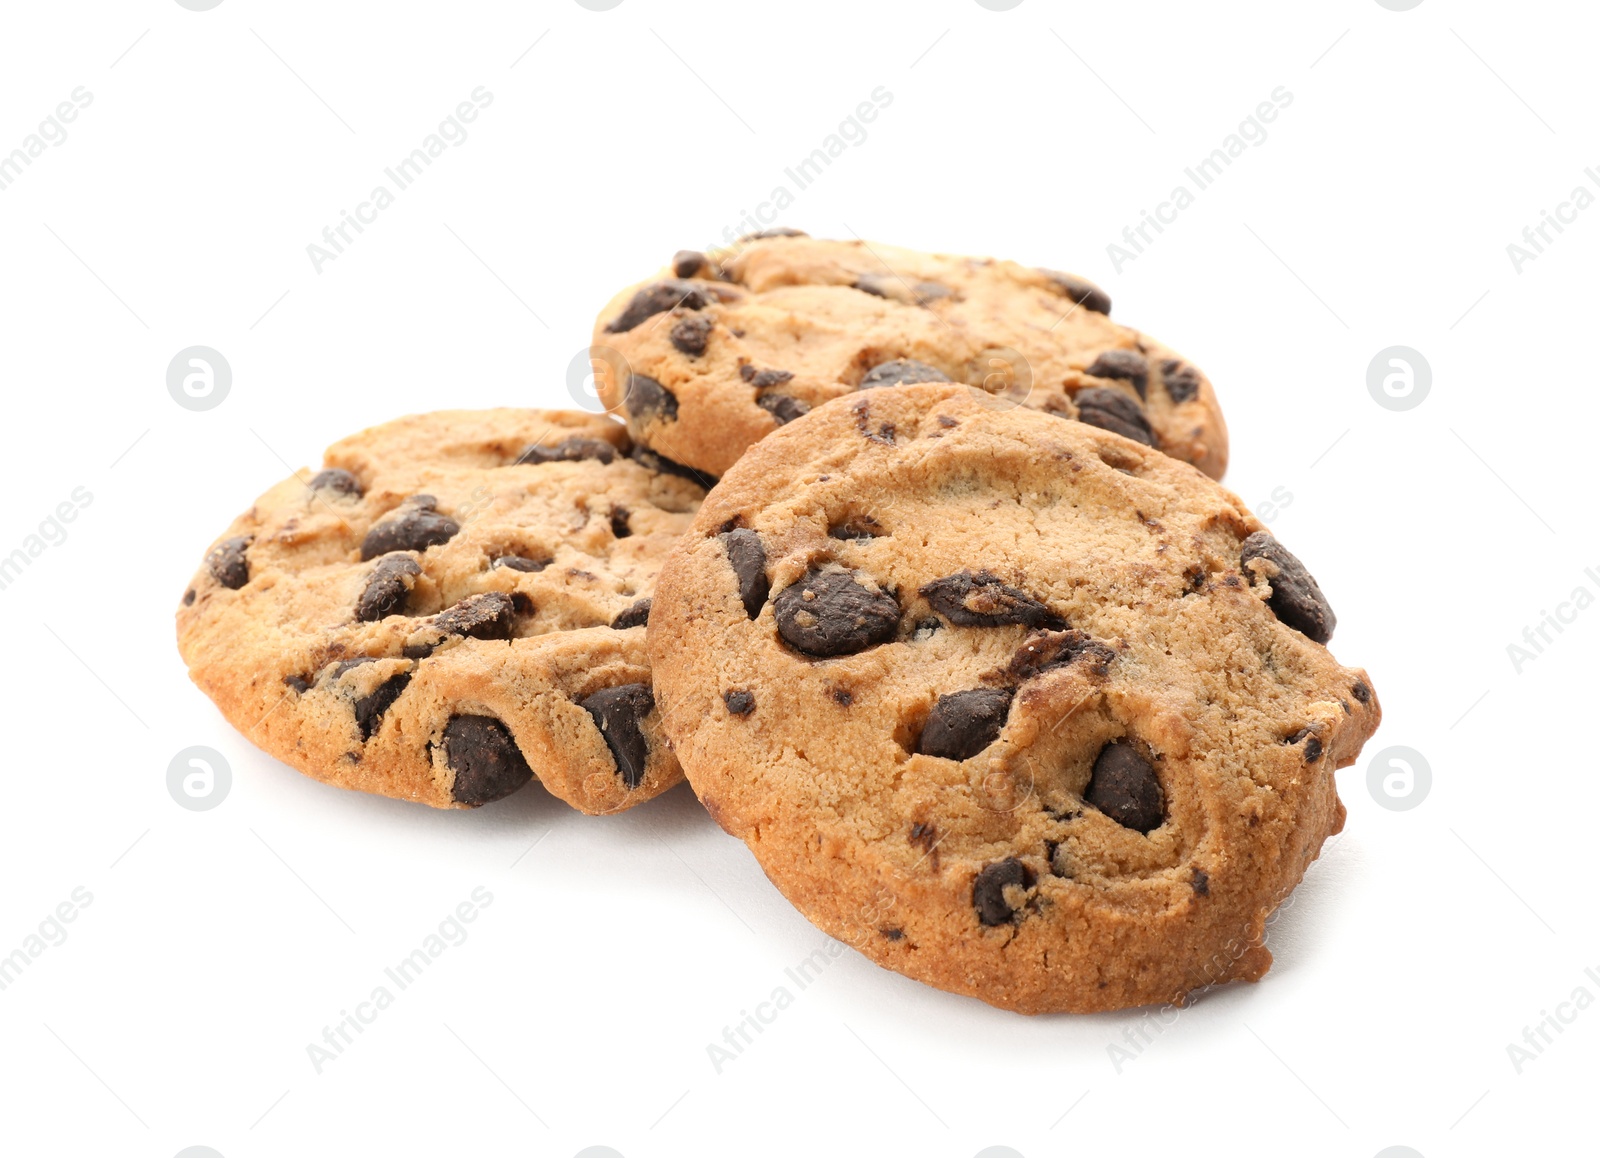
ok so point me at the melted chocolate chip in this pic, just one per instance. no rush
(1077, 289)
(982, 600)
(1052, 649)
(519, 563)
(1114, 411)
(369, 709)
(962, 724)
(619, 522)
(646, 400)
(661, 464)
(416, 528)
(783, 407)
(901, 372)
(875, 284)
(618, 713)
(228, 564)
(1362, 693)
(298, 682)
(486, 616)
(658, 299)
(892, 934)
(1126, 365)
(1182, 381)
(574, 449)
(829, 613)
(748, 558)
(1296, 599)
(188, 597)
(334, 481)
(857, 527)
(485, 758)
(389, 584)
(1313, 745)
(739, 702)
(989, 890)
(761, 379)
(635, 615)
(1124, 787)
(689, 335)
(1199, 881)
(688, 263)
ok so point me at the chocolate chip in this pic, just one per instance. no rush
(857, 527)
(863, 414)
(658, 299)
(388, 586)
(486, 760)
(1296, 599)
(1052, 649)
(962, 724)
(783, 407)
(661, 464)
(647, 399)
(1182, 381)
(925, 629)
(1114, 411)
(416, 528)
(1199, 881)
(829, 613)
(982, 600)
(1077, 289)
(486, 616)
(892, 934)
(739, 702)
(619, 522)
(924, 836)
(930, 291)
(844, 697)
(574, 449)
(298, 682)
(689, 335)
(370, 708)
(1313, 746)
(188, 597)
(1124, 786)
(748, 558)
(688, 263)
(337, 482)
(761, 379)
(1361, 692)
(901, 372)
(872, 283)
(519, 563)
(780, 231)
(228, 563)
(1125, 365)
(618, 712)
(989, 890)
(635, 615)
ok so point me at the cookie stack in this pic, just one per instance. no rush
(997, 685)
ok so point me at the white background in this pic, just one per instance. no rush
(218, 944)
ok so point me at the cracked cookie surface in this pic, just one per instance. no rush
(453, 605)
(1018, 707)
(723, 348)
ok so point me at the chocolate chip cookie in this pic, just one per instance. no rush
(723, 348)
(1018, 707)
(453, 605)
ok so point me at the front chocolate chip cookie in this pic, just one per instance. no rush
(425, 616)
(1036, 698)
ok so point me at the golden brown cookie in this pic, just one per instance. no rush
(723, 348)
(454, 604)
(1018, 707)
